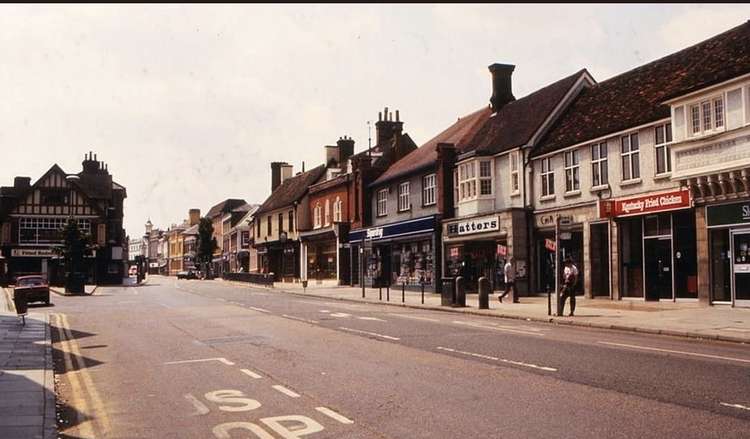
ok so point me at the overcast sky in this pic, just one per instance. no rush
(188, 105)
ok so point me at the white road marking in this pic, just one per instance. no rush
(502, 360)
(735, 406)
(388, 337)
(250, 373)
(200, 408)
(314, 322)
(219, 359)
(259, 309)
(340, 314)
(374, 319)
(325, 311)
(221, 299)
(414, 317)
(694, 354)
(286, 391)
(333, 415)
(736, 329)
(496, 328)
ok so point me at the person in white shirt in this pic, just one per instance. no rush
(510, 280)
(570, 279)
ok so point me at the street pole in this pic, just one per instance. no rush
(362, 266)
(557, 264)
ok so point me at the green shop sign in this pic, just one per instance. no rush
(728, 214)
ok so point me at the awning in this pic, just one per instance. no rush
(394, 230)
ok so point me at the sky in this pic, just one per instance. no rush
(189, 104)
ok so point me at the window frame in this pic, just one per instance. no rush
(485, 178)
(572, 166)
(709, 110)
(327, 213)
(547, 175)
(403, 203)
(514, 173)
(429, 191)
(317, 215)
(663, 148)
(337, 210)
(628, 156)
(600, 163)
(382, 202)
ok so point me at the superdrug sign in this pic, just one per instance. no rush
(476, 225)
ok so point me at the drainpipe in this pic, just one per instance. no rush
(532, 271)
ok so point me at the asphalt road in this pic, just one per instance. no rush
(201, 359)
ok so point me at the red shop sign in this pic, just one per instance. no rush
(502, 250)
(674, 200)
(549, 244)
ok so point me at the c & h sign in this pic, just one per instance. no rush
(476, 225)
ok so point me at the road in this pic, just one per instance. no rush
(201, 359)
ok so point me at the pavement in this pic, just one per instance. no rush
(682, 319)
(60, 291)
(27, 404)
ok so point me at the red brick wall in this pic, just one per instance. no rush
(342, 191)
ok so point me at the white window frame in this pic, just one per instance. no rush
(629, 156)
(327, 216)
(548, 177)
(429, 187)
(485, 178)
(572, 163)
(404, 201)
(600, 163)
(455, 187)
(663, 148)
(703, 114)
(382, 202)
(514, 173)
(467, 182)
(337, 210)
(317, 216)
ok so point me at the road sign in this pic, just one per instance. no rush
(549, 244)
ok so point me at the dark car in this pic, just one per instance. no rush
(34, 287)
(190, 274)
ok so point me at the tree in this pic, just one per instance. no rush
(75, 246)
(206, 243)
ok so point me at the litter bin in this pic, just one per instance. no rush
(447, 291)
(19, 300)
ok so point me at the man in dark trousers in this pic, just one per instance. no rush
(570, 279)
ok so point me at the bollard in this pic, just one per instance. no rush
(459, 298)
(422, 293)
(549, 301)
(403, 292)
(484, 293)
(380, 293)
(388, 293)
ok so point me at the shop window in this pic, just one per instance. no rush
(599, 166)
(428, 190)
(412, 263)
(663, 135)
(630, 157)
(548, 178)
(403, 197)
(631, 245)
(657, 225)
(382, 202)
(328, 212)
(572, 181)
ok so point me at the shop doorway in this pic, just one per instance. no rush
(741, 267)
(599, 257)
(657, 254)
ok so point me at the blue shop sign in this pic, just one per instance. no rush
(394, 230)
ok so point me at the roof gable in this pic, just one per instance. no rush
(292, 189)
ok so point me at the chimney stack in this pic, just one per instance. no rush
(276, 174)
(22, 182)
(502, 90)
(195, 216)
(346, 148)
(332, 155)
(386, 127)
(286, 172)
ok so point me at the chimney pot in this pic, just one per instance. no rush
(502, 90)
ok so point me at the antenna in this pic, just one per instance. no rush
(369, 137)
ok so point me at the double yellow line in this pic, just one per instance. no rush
(91, 418)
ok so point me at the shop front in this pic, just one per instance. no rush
(729, 252)
(323, 257)
(571, 244)
(474, 248)
(280, 258)
(657, 252)
(402, 253)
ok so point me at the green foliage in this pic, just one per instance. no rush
(206, 241)
(75, 246)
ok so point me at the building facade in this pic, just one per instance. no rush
(32, 217)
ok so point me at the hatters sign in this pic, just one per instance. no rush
(476, 225)
(679, 199)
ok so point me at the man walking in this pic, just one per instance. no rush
(510, 280)
(570, 279)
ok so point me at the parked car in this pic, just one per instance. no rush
(190, 274)
(34, 287)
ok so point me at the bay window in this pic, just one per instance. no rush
(473, 182)
(707, 116)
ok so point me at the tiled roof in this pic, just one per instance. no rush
(225, 206)
(636, 97)
(517, 121)
(458, 134)
(291, 190)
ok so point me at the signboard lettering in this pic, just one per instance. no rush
(374, 233)
(476, 225)
(32, 252)
(679, 199)
(549, 244)
(728, 214)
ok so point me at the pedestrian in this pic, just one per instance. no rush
(510, 280)
(570, 279)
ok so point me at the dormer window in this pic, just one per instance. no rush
(707, 116)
